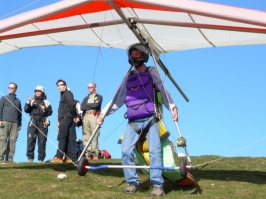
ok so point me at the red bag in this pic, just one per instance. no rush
(105, 154)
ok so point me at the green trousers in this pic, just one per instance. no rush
(8, 138)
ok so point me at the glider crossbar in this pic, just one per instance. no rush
(63, 29)
(199, 25)
(167, 73)
(133, 166)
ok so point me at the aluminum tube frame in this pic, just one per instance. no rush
(98, 125)
(133, 167)
(164, 90)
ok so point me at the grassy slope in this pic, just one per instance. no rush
(226, 178)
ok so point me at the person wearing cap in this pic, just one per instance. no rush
(10, 123)
(91, 107)
(137, 92)
(39, 109)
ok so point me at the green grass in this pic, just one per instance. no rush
(239, 177)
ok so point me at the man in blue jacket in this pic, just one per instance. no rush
(10, 123)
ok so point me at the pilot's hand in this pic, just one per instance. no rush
(175, 114)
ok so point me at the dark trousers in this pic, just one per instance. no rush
(72, 144)
(67, 139)
(40, 132)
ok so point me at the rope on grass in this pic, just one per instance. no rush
(232, 153)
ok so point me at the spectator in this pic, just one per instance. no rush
(91, 107)
(137, 92)
(67, 117)
(39, 109)
(73, 132)
(10, 123)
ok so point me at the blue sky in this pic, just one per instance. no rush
(226, 86)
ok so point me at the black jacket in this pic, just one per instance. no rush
(33, 108)
(8, 112)
(96, 105)
(67, 105)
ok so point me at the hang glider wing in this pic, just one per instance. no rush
(169, 25)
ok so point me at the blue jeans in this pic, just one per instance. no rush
(128, 146)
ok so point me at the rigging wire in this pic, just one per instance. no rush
(113, 130)
(19, 9)
(35, 126)
(232, 153)
(99, 50)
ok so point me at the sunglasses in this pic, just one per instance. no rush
(38, 91)
(60, 85)
(90, 87)
(11, 88)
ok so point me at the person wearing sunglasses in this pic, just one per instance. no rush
(39, 109)
(91, 107)
(10, 123)
(67, 117)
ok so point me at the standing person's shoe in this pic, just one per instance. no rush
(90, 158)
(132, 189)
(40, 161)
(67, 160)
(157, 191)
(97, 158)
(56, 160)
(30, 160)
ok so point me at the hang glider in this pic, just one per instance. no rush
(169, 25)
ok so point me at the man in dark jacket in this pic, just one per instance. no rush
(91, 107)
(10, 123)
(39, 109)
(66, 118)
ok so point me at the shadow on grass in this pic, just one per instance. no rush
(256, 177)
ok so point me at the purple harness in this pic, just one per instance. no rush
(139, 97)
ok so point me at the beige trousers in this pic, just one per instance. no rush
(88, 125)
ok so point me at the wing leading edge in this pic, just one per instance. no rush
(169, 25)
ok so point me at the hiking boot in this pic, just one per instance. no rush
(30, 160)
(157, 191)
(67, 160)
(88, 154)
(132, 189)
(40, 161)
(97, 157)
(56, 160)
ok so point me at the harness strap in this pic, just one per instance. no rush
(146, 129)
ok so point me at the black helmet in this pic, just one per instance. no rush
(145, 54)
